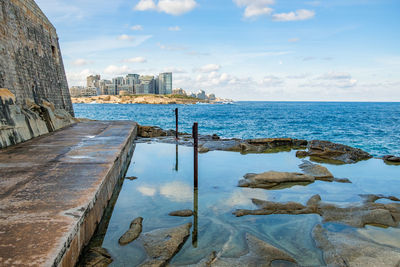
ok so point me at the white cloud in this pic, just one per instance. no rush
(172, 7)
(117, 70)
(301, 14)
(135, 60)
(137, 28)
(271, 81)
(144, 5)
(174, 70)
(78, 78)
(294, 40)
(255, 8)
(81, 62)
(171, 47)
(100, 44)
(175, 29)
(332, 80)
(208, 68)
(125, 37)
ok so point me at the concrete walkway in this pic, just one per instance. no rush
(53, 190)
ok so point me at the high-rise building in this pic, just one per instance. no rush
(165, 83)
(132, 79)
(93, 81)
(147, 85)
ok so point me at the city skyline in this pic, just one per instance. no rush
(245, 50)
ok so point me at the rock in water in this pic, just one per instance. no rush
(162, 244)
(271, 179)
(134, 231)
(318, 171)
(338, 152)
(391, 158)
(181, 213)
(348, 248)
(260, 254)
(387, 215)
(96, 257)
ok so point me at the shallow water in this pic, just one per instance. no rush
(374, 127)
(165, 184)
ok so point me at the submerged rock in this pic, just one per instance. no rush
(134, 231)
(337, 152)
(272, 179)
(348, 248)
(369, 212)
(259, 253)
(96, 257)
(162, 244)
(181, 213)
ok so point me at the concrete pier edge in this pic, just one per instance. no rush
(80, 236)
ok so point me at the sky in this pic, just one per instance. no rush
(273, 50)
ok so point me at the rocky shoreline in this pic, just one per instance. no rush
(141, 99)
(316, 150)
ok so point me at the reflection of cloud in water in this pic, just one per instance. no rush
(242, 197)
(177, 191)
(147, 191)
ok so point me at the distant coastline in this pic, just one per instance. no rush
(142, 99)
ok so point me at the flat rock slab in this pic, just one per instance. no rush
(53, 190)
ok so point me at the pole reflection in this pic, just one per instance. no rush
(195, 216)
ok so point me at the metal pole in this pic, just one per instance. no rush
(196, 153)
(176, 124)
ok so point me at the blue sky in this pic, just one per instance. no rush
(336, 50)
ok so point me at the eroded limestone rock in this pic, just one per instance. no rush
(133, 232)
(21, 122)
(351, 249)
(153, 131)
(356, 215)
(272, 179)
(162, 244)
(181, 213)
(320, 172)
(337, 152)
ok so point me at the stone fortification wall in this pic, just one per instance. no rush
(31, 65)
(34, 95)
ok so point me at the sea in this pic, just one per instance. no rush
(373, 127)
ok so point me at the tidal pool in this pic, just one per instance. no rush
(165, 184)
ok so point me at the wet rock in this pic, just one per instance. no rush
(391, 158)
(259, 253)
(153, 131)
(318, 171)
(348, 248)
(215, 137)
(356, 215)
(226, 145)
(271, 179)
(181, 213)
(96, 257)
(134, 231)
(337, 152)
(162, 244)
(301, 154)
